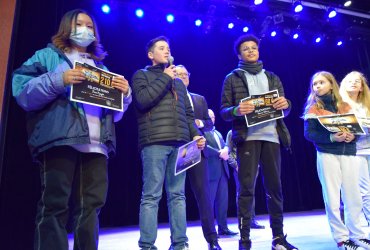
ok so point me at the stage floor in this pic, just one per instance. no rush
(306, 230)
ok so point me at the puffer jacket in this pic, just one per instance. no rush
(234, 89)
(52, 119)
(163, 110)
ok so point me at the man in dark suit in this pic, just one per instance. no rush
(198, 175)
(218, 154)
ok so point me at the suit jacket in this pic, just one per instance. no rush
(215, 163)
(201, 113)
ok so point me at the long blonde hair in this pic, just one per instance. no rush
(363, 96)
(314, 100)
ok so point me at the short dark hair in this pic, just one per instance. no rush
(242, 39)
(151, 43)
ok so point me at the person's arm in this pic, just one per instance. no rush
(36, 83)
(149, 94)
(206, 120)
(279, 86)
(315, 132)
(227, 105)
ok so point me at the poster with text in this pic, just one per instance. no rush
(97, 88)
(341, 123)
(187, 156)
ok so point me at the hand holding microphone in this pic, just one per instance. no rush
(170, 69)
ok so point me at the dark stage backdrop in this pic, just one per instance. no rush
(209, 58)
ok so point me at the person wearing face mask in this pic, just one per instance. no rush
(70, 141)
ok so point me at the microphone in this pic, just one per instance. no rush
(170, 60)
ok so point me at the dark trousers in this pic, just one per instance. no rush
(267, 154)
(65, 173)
(199, 182)
(220, 198)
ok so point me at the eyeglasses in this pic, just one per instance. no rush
(183, 74)
(249, 48)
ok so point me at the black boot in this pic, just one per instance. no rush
(245, 244)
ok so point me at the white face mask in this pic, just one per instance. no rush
(82, 36)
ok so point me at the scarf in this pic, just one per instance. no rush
(251, 68)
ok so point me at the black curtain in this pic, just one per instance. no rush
(209, 58)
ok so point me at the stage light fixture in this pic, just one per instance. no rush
(105, 8)
(230, 25)
(331, 12)
(318, 39)
(139, 13)
(295, 36)
(347, 3)
(273, 33)
(245, 29)
(258, 2)
(297, 6)
(339, 43)
(198, 22)
(170, 18)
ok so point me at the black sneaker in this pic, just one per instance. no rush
(245, 244)
(365, 243)
(349, 245)
(280, 243)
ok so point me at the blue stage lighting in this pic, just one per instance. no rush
(298, 7)
(339, 43)
(273, 34)
(139, 13)
(198, 22)
(257, 2)
(105, 8)
(230, 25)
(295, 36)
(170, 18)
(318, 39)
(331, 13)
(347, 3)
(245, 29)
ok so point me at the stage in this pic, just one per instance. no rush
(306, 230)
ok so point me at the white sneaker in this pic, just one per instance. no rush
(349, 245)
(365, 243)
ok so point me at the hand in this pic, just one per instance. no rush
(120, 83)
(201, 143)
(338, 137)
(73, 76)
(224, 153)
(349, 137)
(280, 103)
(197, 122)
(171, 71)
(245, 108)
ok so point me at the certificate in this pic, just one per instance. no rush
(264, 111)
(187, 156)
(341, 123)
(97, 88)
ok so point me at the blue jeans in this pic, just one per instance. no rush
(158, 167)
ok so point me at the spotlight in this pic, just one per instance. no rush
(105, 8)
(331, 13)
(139, 13)
(297, 6)
(339, 43)
(170, 18)
(295, 36)
(273, 34)
(245, 29)
(318, 39)
(230, 25)
(258, 2)
(198, 22)
(347, 3)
